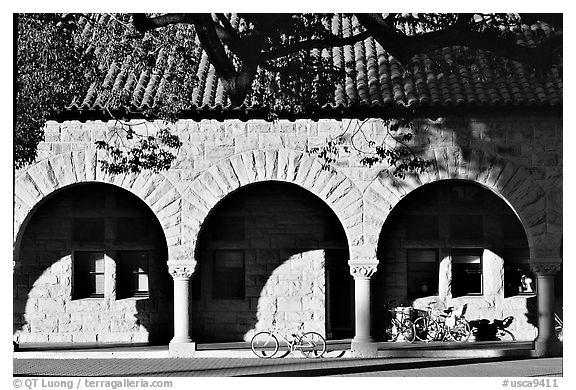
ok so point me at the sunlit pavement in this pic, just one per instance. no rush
(224, 367)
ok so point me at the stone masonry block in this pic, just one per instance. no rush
(245, 143)
(271, 164)
(43, 177)
(260, 164)
(203, 193)
(250, 166)
(258, 126)
(235, 128)
(289, 304)
(283, 155)
(304, 167)
(294, 159)
(240, 169)
(270, 141)
(27, 191)
(226, 170)
(84, 337)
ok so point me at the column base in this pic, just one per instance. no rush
(179, 349)
(364, 348)
(552, 348)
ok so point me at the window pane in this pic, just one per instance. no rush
(88, 273)
(518, 278)
(142, 282)
(466, 271)
(98, 283)
(131, 273)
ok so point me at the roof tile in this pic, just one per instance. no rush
(374, 78)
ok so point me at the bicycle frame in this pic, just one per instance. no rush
(310, 344)
(448, 325)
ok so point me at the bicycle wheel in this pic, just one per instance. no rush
(312, 345)
(460, 332)
(407, 330)
(504, 335)
(392, 331)
(426, 329)
(264, 345)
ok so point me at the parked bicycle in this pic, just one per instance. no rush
(426, 328)
(502, 333)
(266, 344)
(449, 325)
(400, 328)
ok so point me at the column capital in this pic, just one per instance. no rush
(181, 269)
(363, 269)
(545, 269)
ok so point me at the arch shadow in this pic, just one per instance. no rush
(453, 242)
(269, 251)
(98, 218)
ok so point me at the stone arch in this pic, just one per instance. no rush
(42, 179)
(286, 165)
(513, 183)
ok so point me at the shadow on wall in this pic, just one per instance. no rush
(271, 251)
(453, 242)
(91, 267)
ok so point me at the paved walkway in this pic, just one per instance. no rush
(226, 367)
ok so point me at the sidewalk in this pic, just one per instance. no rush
(253, 367)
(335, 348)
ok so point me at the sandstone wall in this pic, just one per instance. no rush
(519, 158)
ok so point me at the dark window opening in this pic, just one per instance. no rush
(518, 278)
(132, 274)
(466, 272)
(88, 274)
(422, 272)
(228, 280)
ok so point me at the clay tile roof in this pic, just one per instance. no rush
(378, 82)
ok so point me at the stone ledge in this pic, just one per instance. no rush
(181, 350)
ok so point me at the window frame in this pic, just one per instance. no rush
(123, 293)
(481, 270)
(75, 274)
(511, 262)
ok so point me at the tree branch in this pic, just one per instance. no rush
(404, 47)
(323, 43)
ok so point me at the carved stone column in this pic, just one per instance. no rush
(362, 344)
(181, 345)
(546, 343)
